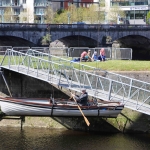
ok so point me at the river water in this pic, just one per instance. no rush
(51, 139)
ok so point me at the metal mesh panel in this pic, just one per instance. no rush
(21, 49)
(4, 48)
(76, 51)
(41, 49)
(121, 53)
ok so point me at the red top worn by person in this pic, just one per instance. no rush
(83, 55)
(102, 52)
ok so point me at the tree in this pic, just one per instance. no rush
(74, 14)
(148, 18)
(92, 14)
(46, 39)
(114, 12)
(60, 16)
(23, 16)
(49, 15)
(8, 15)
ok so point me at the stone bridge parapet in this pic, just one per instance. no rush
(35, 32)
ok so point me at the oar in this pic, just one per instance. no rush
(86, 120)
(71, 95)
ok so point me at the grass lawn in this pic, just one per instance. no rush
(121, 65)
(115, 65)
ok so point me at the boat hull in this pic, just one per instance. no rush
(26, 108)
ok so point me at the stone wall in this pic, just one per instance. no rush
(25, 86)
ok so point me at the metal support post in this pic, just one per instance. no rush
(110, 88)
(6, 83)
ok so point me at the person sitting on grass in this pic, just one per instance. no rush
(102, 55)
(83, 56)
(86, 56)
(95, 56)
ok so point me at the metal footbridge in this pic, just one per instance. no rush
(100, 84)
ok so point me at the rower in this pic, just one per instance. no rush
(83, 98)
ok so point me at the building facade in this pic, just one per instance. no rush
(27, 9)
(135, 10)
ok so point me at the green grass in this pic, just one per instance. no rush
(112, 65)
(121, 65)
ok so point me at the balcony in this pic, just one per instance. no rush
(4, 4)
(40, 4)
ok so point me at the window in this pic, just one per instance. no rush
(24, 1)
(129, 2)
(16, 11)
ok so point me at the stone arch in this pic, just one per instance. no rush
(118, 35)
(77, 41)
(88, 34)
(140, 46)
(33, 36)
(15, 41)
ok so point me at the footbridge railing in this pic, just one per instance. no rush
(55, 70)
(94, 70)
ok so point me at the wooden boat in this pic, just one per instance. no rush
(58, 107)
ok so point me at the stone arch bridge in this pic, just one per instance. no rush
(67, 32)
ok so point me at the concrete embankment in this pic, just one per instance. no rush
(23, 86)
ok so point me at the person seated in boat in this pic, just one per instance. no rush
(83, 98)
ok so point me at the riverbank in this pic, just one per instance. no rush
(128, 121)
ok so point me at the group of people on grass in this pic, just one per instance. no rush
(86, 56)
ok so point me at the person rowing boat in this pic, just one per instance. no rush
(82, 99)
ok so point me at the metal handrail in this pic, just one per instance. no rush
(72, 78)
(94, 69)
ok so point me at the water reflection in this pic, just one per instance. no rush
(47, 139)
